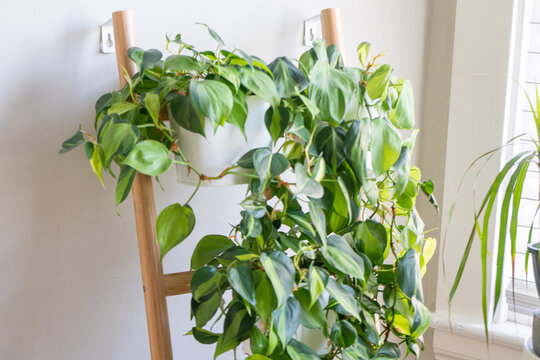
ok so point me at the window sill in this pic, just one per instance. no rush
(466, 340)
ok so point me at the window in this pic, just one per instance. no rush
(527, 72)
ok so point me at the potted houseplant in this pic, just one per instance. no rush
(329, 238)
(511, 179)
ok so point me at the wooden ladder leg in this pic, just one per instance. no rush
(332, 29)
(145, 216)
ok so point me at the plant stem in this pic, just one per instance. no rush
(194, 191)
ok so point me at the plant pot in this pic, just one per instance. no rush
(528, 351)
(533, 249)
(218, 150)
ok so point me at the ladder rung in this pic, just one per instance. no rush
(177, 283)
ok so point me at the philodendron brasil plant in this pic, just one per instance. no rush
(329, 237)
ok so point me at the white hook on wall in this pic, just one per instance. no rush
(106, 41)
(312, 30)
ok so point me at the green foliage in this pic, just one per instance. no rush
(328, 226)
(509, 184)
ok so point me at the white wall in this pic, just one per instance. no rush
(69, 269)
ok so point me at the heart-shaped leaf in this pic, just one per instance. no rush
(340, 255)
(378, 82)
(261, 84)
(385, 145)
(182, 63)
(144, 58)
(148, 157)
(330, 89)
(181, 110)
(211, 98)
(288, 78)
(372, 239)
(208, 248)
(173, 225)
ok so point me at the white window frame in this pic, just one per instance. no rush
(521, 299)
(482, 73)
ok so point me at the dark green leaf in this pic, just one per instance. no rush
(319, 222)
(250, 226)
(422, 318)
(388, 351)
(339, 254)
(268, 165)
(205, 309)
(213, 34)
(356, 148)
(265, 297)
(144, 58)
(204, 281)
(317, 283)
(119, 138)
(343, 333)
(287, 319)
(88, 149)
(277, 121)
(288, 79)
(258, 342)
(72, 142)
(344, 298)
(239, 112)
(402, 167)
(329, 142)
(238, 323)
(280, 270)
(241, 280)
(125, 180)
(204, 336)
(334, 57)
(183, 113)
(359, 351)
(372, 239)
(208, 248)
(299, 218)
(246, 161)
(299, 351)
(213, 99)
(408, 274)
(311, 317)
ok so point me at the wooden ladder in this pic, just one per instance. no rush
(156, 285)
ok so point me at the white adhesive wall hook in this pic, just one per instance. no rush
(312, 30)
(106, 41)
